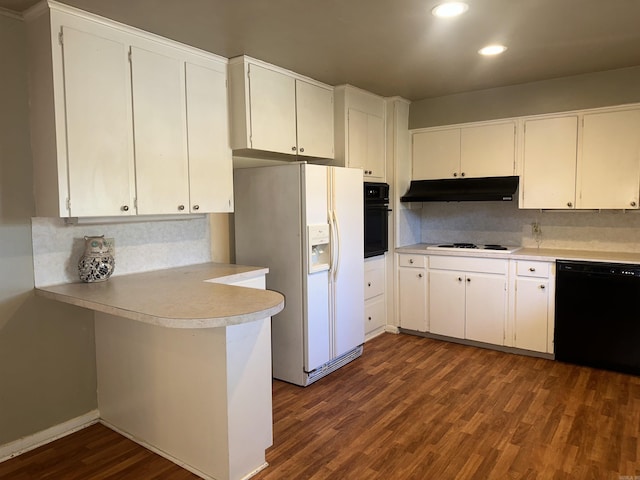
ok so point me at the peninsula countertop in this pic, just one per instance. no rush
(194, 296)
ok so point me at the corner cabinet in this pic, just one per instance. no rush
(360, 131)
(486, 150)
(279, 112)
(124, 122)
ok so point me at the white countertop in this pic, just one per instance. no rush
(195, 296)
(541, 254)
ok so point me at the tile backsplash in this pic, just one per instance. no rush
(139, 246)
(504, 222)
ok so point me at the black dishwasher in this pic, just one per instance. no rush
(598, 315)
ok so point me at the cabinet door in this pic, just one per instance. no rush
(531, 313)
(609, 170)
(358, 138)
(314, 115)
(210, 163)
(375, 164)
(99, 135)
(488, 150)
(413, 299)
(549, 169)
(485, 308)
(436, 154)
(159, 112)
(446, 303)
(273, 110)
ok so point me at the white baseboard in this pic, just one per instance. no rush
(10, 450)
(392, 329)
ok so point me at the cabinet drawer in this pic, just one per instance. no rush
(415, 261)
(532, 269)
(374, 315)
(469, 264)
(373, 282)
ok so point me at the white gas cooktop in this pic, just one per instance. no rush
(472, 246)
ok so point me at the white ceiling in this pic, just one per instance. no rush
(395, 47)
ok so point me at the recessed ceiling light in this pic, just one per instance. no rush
(492, 50)
(449, 9)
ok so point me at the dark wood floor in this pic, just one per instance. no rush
(411, 408)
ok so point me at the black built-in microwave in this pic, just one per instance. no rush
(376, 219)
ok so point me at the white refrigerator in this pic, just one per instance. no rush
(305, 222)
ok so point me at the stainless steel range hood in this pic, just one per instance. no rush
(462, 190)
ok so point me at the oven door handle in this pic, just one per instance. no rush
(381, 207)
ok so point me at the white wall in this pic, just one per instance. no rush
(47, 357)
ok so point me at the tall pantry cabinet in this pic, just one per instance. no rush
(124, 122)
(360, 131)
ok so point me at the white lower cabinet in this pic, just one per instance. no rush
(497, 301)
(447, 303)
(412, 296)
(532, 301)
(375, 305)
(468, 298)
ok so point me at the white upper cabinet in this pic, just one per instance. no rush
(360, 131)
(277, 111)
(582, 161)
(549, 164)
(272, 99)
(99, 140)
(436, 154)
(210, 163)
(609, 170)
(111, 134)
(159, 113)
(486, 150)
(314, 113)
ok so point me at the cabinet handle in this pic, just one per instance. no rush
(468, 280)
(196, 207)
(462, 174)
(125, 208)
(531, 269)
(455, 174)
(419, 275)
(368, 284)
(569, 204)
(369, 318)
(542, 287)
(633, 204)
(301, 149)
(293, 149)
(459, 279)
(180, 207)
(411, 260)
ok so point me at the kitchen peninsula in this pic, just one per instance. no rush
(184, 362)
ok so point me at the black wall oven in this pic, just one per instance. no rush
(376, 219)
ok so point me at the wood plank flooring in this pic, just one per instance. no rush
(411, 408)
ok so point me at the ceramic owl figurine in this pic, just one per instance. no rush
(96, 263)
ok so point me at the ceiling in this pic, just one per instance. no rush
(396, 47)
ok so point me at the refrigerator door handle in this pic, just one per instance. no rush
(332, 260)
(337, 245)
